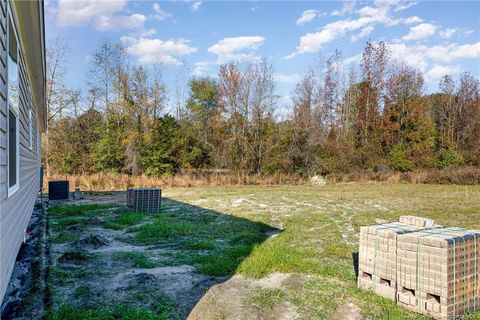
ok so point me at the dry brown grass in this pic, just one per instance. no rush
(458, 175)
(115, 182)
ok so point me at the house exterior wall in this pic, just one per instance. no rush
(16, 209)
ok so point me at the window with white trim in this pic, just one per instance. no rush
(13, 110)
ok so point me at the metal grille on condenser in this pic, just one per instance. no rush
(144, 199)
(58, 190)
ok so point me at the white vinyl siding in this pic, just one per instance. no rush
(30, 127)
(16, 208)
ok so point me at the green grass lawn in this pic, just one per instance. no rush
(224, 231)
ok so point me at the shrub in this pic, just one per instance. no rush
(397, 159)
(447, 158)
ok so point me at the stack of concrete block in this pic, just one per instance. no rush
(417, 221)
(438, 271)
(377, 260)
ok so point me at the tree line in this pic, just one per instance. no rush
(345, 117)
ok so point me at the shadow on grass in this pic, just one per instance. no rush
(355, 264)
(177, 255)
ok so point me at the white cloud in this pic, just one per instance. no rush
(420, 31)
(196, 6)
(347, 7)
(146, 33)
(382, 3)
(159, 13)
(438, 71)
(287, 78)
(405, 5)
(397, 5)
(83, 12)
(308, 16)
(366, 31)
(413, 55)
(106, 23)
(412, 20)
(158, 51)
(369, 11)
(379, 15)
(449, 32)
(420, 56)
(363, 33)
(200, 69)
(369, 17)
(312, 42)
(352, 59)
(98, 13)
(453, 52)
(233, 48)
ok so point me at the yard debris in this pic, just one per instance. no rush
(93, 241)
(318, 180)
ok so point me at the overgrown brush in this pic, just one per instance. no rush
(113, 181)
(452, 175)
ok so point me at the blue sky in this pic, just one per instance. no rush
(194, 37)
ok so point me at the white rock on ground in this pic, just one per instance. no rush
(318, 180)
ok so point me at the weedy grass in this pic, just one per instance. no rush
(161, 310)
(137, 259)
(213, 243)
(64, 236)
(124, 219)
(267, 298)
(73, 210)
(63, 216)
(320, 235)
(224, 231)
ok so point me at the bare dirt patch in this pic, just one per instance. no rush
(245, 298)
(349, 311)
